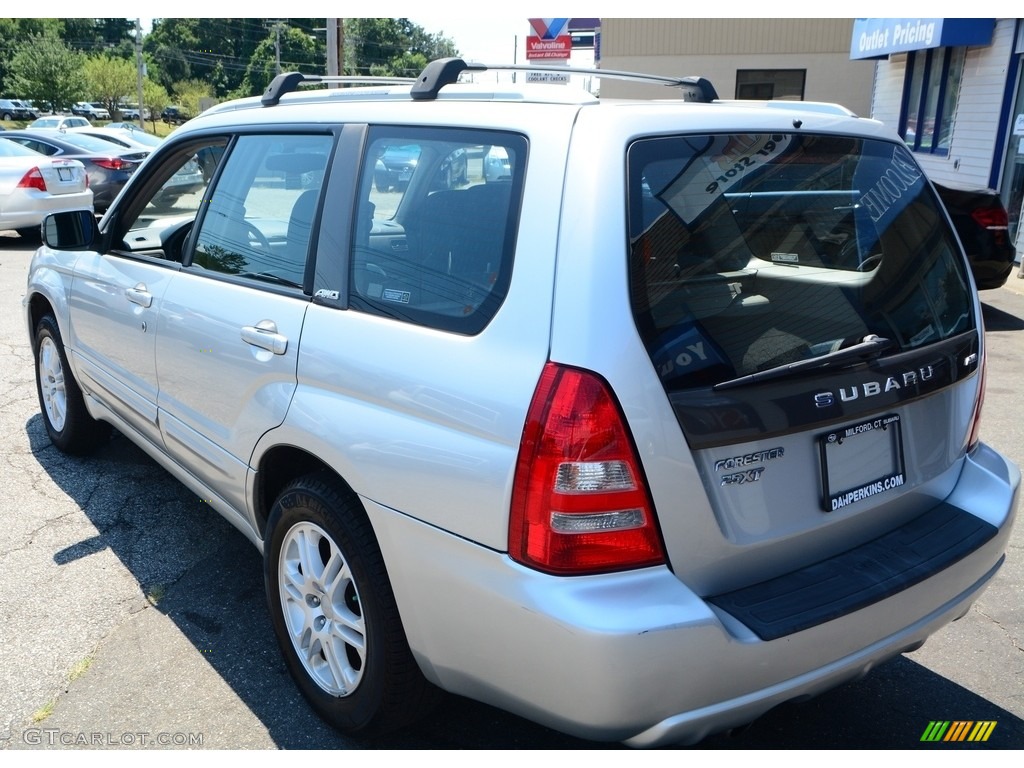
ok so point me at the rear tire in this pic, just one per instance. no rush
(65, 416)
(334, 612)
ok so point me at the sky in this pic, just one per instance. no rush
(501, 38)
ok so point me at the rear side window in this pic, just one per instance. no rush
(753, 251)
(436, 223)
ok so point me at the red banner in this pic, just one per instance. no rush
(559, 48)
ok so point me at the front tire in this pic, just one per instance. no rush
(67, 420)
(334, 612)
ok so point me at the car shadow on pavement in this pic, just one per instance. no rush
(999, 320)
(206, 577)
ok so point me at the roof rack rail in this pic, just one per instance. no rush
(442, 72)
(287, 82)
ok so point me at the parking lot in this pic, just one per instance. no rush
(132, 615)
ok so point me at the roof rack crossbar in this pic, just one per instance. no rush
(443, 72)
(439, 73)
(287, 82)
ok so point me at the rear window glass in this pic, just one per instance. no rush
(751, 251)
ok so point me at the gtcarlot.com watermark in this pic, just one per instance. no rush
(55, 737)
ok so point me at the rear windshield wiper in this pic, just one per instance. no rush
(870, 347)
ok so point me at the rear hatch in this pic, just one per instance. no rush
(808, 312)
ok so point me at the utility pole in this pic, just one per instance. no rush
(138, 71)
(277, 48)
(332, 47)
(277, 45)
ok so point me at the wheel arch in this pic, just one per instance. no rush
(277, 467)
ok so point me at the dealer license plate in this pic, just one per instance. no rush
(860, 461)
(65, 174)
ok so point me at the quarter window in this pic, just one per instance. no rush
(156, 223)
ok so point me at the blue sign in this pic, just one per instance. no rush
(877, 38)
(549, 29)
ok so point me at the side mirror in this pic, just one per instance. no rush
(70, 230)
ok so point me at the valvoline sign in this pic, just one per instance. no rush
(551, 40)
(549, 29)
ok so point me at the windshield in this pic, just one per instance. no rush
(758, 252)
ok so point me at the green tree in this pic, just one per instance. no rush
(189, 92)
(155, 97)
(110, 80)
(392, 47)
(46, 71)
(298, 51)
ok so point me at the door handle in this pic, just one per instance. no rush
(139, 295)
(265, 336)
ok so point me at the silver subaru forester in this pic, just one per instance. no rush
(636, 419)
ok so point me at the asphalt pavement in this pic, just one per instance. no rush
(133, 616)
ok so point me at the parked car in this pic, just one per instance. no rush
(174, 115)
(13, 109)
(396, 165)
(32, 186)
(126, 126)
(138, 139)
(638, 449)
(982, 224)
(107, 165)
(29, 111)
(93, 111)
(59, 122)
(131, 112)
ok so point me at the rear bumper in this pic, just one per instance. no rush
(637, 656)
(29, 211)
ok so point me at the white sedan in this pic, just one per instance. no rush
(33, 185)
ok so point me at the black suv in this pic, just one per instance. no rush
(174, 115)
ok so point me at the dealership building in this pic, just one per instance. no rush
(952, 88)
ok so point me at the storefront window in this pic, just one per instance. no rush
(768, 84)
(932, 87)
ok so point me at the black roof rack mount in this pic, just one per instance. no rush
(287, 82)
(441, 72)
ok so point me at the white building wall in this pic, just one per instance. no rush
(717, 48)
(976, 116)
(830, 77)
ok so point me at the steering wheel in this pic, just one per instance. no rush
(254, 236)
(870, 263)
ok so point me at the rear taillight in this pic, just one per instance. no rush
(973, 437)
(33, 180)
(113, 163)
(579, 499)
(991, 218)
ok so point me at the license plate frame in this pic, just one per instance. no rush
(861, 460)
(66, 174)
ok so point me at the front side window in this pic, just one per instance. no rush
(755, 252)
(260, 217)
(436, 225)
(932, 88)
